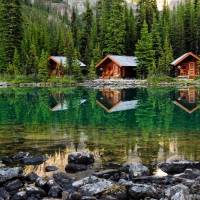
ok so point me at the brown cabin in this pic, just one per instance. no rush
(186, 66)
(58, 63)
(116, 100)
(114, 66)
(186, 99)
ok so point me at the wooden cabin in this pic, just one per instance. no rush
(186, 66)
(58, 63)
(186, 99)
(116, 100)
(113, 66)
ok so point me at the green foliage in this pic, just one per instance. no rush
(77, 71)
(43, 71)
(145, 53)
(92, 71)
(159, 79)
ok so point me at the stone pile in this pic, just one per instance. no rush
(127, 182)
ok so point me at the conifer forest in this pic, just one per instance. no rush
(31, 31)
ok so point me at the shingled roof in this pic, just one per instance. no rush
(59, 59)
(126, 61)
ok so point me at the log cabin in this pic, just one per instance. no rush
(116, 100)
(114, 66)
(58, 63)
(186, 66)
(187, 99)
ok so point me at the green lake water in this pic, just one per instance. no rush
(148, 125)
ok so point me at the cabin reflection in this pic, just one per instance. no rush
(58, 101)
(117, 100)
(187, 99)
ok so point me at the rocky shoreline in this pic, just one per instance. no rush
(110, 83)
(128, 182)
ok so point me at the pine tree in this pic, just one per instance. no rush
(10, 28)
(92, 71)
(43, 71)
(16, 62)
(115, 31)
(144, 52)
(77, 71)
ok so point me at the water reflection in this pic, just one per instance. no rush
(123, 125)
(187, 99)
(117, 100)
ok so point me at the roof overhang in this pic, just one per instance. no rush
(104, 59)
(184, 56)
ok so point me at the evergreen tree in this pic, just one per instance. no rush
(92, 71)
(144, 52)
(10, 29)
(43, 71)
(115, 31)
(77, 71)
(16, 62)
(198, 27)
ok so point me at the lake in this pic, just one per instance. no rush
(148, 125)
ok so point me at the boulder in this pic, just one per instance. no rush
(20, 196)
(137, 169)
(4, 194)
(7, 160)
(33, 190)
(112, 164)
(95, 188)
(84, 157)
(178, 166)
(62, 175)
(76, 167)
(140, 191)
(50, 168)
(13, 185)
(55, 191)
(42, 181)
(31, 177)
(109, 172)
(51, 183)
(171, 191)
(10, 173)
(125, 168)
(33, 160)
(21, 155)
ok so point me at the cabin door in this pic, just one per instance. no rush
(191, 69)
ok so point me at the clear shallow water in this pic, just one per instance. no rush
(149, 125)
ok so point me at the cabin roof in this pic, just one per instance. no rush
(129, 61)
(63, 106)
(59, 59)
(181, 58)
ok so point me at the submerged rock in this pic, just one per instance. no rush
(33, 160)
(7, 160)
(51, 168)
(76, 167)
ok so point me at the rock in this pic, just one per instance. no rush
(51, 168)
(42, 181)
(137, 169)
(4, 194)
(189, 174)
(125, 168)
(117, 191)
(33, 160)
(31, 177)
(20, 196)
(55, 191)
(9, 173)
(180, 196)
(86, 180)
(65, 184)
(7, 160)
(95, 188)
(125, 183)
(13, 185)
(171, 191)
(111, 164)
(21, 155)
(75, 196)
(140, 191)
(33, 190)
(62, 175)
(51, 183)
(178, 166)
(84, 157)
(88, 198)
(109, 172)
(76, 167)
